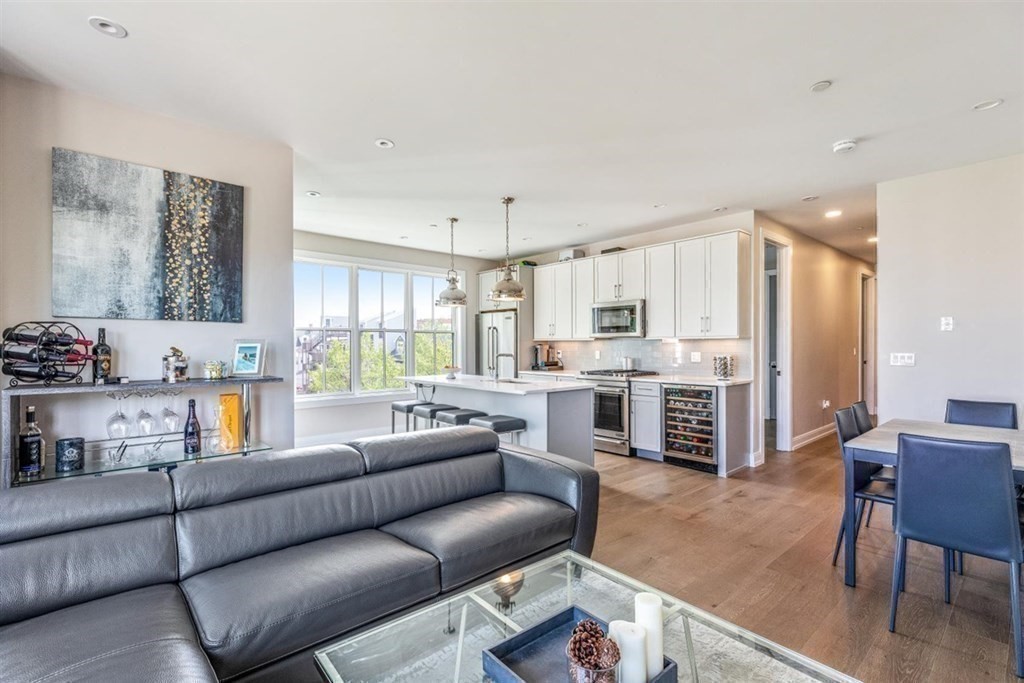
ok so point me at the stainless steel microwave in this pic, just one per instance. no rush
(618, 319)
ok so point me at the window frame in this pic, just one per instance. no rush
(356, 394)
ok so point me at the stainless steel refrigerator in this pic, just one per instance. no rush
(497, 342)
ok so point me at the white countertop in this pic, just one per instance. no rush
(661, 378)
(518, 387)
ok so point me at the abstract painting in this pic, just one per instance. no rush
(140, 243)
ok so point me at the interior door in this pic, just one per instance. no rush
(583, 297)
(723, 312)
(660, 292)
(868, 353)
(543, 302)
(690, 288)
(631, 275)
(606, 278)
(562, 317)
(772, 336)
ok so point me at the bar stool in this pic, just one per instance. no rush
(428, 411)
(406, 408)
(502, 424)
(459, 416)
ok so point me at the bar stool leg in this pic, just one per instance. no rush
(392, 422)
(407, 422)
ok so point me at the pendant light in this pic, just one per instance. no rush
(507, 288)
(452, 296)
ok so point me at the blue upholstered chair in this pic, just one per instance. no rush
(865, 488)
(981, 413)
(886, 473)
(958, 495)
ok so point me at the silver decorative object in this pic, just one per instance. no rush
(724, 366)
(453, 296)
(507, 288)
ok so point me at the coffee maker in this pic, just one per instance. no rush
(544, 357)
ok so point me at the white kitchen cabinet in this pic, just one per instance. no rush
(713, 287)
(486, 280)
(619, 276)
(552, 307)
(645, 422)
(582, 298)
(660, 290)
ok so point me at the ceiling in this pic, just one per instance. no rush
(591, 114)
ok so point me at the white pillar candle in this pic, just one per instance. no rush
(648, 616)
(630, 639)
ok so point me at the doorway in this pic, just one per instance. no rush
(771, 350)
(868, 353)
(775, 381)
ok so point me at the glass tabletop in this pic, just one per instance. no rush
(445, 640)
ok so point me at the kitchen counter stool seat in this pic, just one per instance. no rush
(459, 416)
(429, 411)
(406, 408)
(502, 424)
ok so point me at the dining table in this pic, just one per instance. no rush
(880, 446)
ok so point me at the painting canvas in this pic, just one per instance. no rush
(141, 243)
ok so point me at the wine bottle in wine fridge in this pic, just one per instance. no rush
(31, 447)
(101, 366)
(193, 433)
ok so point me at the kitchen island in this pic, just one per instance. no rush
(559, 415)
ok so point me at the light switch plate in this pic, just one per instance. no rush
(902, 359)
(597, 354)
(694, 356)
(946, 324)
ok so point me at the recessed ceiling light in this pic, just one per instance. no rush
(433, 225)
(108, 27)
(986, 104)
(384, 143)
(659, 206)
(834, 213)
(720, 209)
(872, 239)
(582, 225)
(809, 198)
(844, 146)
(312, 193)
(821, 86)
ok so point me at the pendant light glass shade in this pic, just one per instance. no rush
(507, 288)
(452, 296)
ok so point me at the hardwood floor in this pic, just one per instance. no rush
(756, 549)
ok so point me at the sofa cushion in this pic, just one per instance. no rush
(214, 483)
(395, 451)
(255, 611)
(475, 537)
(140, 635)
(398, 494)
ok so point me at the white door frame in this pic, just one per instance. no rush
(865, 276)
(784, 342)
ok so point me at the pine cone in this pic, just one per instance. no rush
(585, 649)
(609, 655)
(589, 626)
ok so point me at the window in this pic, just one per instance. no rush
(359, 328)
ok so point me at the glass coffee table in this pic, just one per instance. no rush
(444, 641)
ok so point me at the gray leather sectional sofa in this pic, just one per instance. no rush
(238, 569)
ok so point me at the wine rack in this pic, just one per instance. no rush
(44, 352)
(690, 435)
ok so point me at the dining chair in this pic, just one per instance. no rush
(981, 413)
(887, 473)
(865, 488)
(958, 495)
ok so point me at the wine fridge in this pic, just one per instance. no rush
(690, 426)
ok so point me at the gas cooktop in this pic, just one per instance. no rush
(618, 373)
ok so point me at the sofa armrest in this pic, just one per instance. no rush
(527, 470)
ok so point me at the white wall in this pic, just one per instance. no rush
(951, 243)
(338, 420)
(33, 119)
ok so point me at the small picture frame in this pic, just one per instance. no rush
(248, 358)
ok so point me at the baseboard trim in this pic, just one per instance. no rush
(756, 459)
(813, 435)
(339, 437)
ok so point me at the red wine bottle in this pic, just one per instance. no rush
(101, 357)
(44, 355)
(33, 372)
(193, 433)
(44, 338)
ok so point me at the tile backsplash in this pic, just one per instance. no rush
(653, 354)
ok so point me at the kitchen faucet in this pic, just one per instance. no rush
(496, 374)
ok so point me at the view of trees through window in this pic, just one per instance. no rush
(325, 362)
